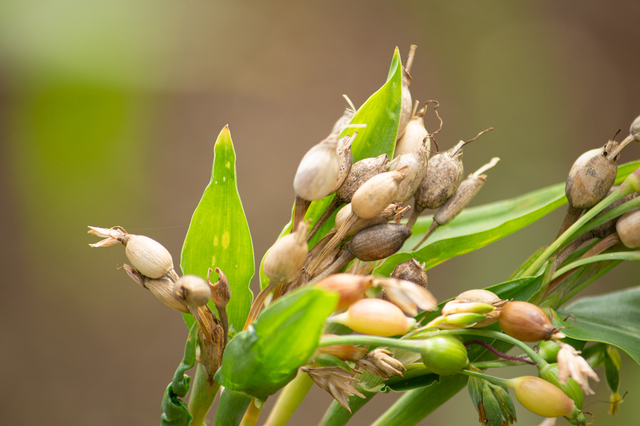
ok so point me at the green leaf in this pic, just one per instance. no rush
(218, 235)
(174, 410)
(612, 318)
(265, 357)
(479, 226)
(381, 113)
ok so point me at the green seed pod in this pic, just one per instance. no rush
(492, 410)
(444, 355)
(571, 388)
(549, 350)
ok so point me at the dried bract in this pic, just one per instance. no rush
(571, 364)
(336, 381)
(380, 362)
(406, 294)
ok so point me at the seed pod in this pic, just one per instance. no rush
(345, 159)
(542, 398)
(411, 270)
(628, 228)
(350, 287)
(414, 134)
(285, 258)
(359, 173)
(462, 197)
(527, 322)
(444, 355)
(193, 290)
(376, 194)
(590, 177)
(405, 109)
(379, 241)
(407, 295)
(318, 170)
(634, 130)
(376, 317)
(148, 256)
(570, 388)
(161, 288)
(548, 350)
(391, 212)
(483, 296)
(414, 165)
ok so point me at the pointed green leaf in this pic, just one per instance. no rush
(265, 357)
(381, 113)
(479, 226)
(612, 318)
(218, 235)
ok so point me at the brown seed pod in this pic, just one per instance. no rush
(628, 228)
(591, 177)
(285, 258)
(376, 194)
(442, 179)
(359, 173)
(379, 241)
(527, 322)
(350, 287)
(411, 270)
(407, 104)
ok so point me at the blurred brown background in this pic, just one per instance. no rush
(108, 115)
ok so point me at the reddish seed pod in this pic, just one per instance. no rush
(527, 322)
(350, 287)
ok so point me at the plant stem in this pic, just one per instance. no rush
(251, 416)
(289, 400)
(483, 365)
(626, 255)
(231, 408)
(630, 184)
(202, 396)
(370, 340)
(495, 380)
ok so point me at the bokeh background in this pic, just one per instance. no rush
(108, 115)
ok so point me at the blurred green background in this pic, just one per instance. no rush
(108, 115)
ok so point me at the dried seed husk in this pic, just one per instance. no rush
(375, 317)
(161, 288)
(527, 322)
(414, 135)
(350, 287)
(391, 212)
(591, 177)
(193, 290)
(344, 352)
(484, 296)
(407, 104)
(411, 270)
(407, 295)
(379, 241)
(359, 173)
(347, 115)
(444, 355)
(147, 256)
(380, 362)
(345, 160)
(414, 166)
(628, 228)
(285, 258)
(318, 170)
(376, 194)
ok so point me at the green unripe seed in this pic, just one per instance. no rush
(444, 355)
(571, 388)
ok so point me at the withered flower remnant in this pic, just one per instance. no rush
(336, 381)
(380, 362)
(571, 364)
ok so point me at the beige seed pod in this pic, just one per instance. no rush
(345, 159)
(359, 173)
(590, 178)
(350, 287)
(414, 135)
(391, 212)
(527, 322)
(161, 288)
(318, 170)
(286, 257)
(375, 316)
(147, 255)
(414, 166)
(634, 130)
(376, 194)
(193, 290)
(628, 228)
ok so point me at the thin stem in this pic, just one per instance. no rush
(611, 214)
(498, 353)
(252, 414)
(483, 365)
(202, 396)
(370, 340)
(289, 400)
(231, 408)
(626, 255)
(501, 336)
(495, 380)
(625, 188)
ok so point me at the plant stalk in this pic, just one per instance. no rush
(231, 408)
(251, 416)
(289, 400)
(202, 396)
